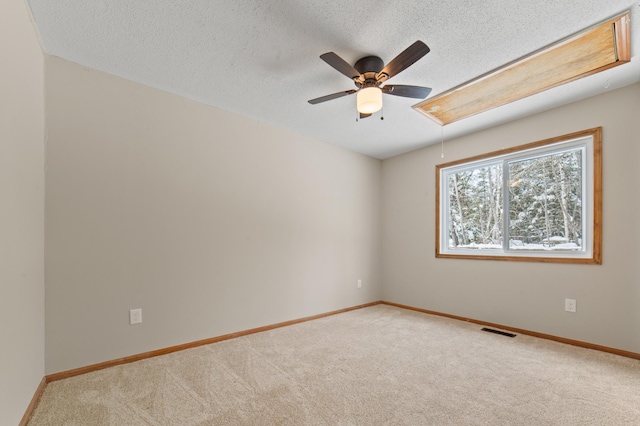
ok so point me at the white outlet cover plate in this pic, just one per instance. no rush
(570, 305)
(135, 316)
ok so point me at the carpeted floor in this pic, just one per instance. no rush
(374, 366)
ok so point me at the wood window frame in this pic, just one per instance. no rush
(595, 198)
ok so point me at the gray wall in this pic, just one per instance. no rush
(21, 211)
(525, 295)
(210, 222)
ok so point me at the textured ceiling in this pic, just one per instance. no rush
(260, 58)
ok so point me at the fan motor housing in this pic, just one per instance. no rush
(369, 64)
(368, 67)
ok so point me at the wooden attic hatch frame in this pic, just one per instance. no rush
(600, 47)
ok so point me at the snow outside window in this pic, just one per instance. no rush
(536, 202)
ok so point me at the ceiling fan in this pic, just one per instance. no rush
(369, 74)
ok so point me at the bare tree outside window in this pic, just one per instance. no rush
(475, 208)
(545, 200)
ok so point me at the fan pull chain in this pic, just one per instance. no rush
(442, 141)
(382, 113)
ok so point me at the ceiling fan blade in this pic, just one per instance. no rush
(364, 115)
(403, 61)
(331, 96)
(417, 92)
(340, 64)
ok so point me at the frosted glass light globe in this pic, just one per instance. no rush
(369, 100)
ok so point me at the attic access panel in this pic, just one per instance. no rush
(590, 51)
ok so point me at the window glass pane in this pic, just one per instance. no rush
(475, 208)
(545, 202)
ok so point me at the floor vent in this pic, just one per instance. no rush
(504, 333)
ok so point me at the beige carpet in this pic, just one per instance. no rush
(375, 366)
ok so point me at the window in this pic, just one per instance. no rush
(537, 202)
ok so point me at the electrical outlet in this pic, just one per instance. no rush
(359, 283)
(570, 305)
(135, 316)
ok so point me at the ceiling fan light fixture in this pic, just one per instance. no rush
(369, 100)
